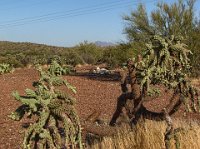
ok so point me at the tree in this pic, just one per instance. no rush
(167, 19)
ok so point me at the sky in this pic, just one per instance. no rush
(67, 22)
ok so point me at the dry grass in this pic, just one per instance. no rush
(149, 134)
(195, 82)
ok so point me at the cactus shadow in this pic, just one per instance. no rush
(115, 76)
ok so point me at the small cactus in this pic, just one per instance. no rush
(53, 109)
(6, 68)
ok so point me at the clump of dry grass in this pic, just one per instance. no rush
(195, 82)
(148, 134)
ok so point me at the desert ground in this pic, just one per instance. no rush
(98, 93)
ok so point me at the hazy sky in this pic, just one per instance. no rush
(67, 22)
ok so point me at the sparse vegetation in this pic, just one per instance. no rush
(23, 54)
(166, 44)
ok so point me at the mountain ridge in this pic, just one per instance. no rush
(103, 43)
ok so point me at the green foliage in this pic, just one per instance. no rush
(71, 57)
(166, 62)
(167, 19)
(53, 108)
(89, 52)
(23, 54)
(56, 69)
(177, 18)
(194, 45)
(5, 68)
(153, 92)
(115, 56)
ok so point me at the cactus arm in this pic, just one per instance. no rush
(31, 102)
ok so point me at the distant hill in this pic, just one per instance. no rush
(22, 54)
(27, 46)
(104, 44)
(7, 45)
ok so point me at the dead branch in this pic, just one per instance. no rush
(101, 131)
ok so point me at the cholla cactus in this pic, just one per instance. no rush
(166, 62)
(5, 68)
(56, 69)
(54, 109)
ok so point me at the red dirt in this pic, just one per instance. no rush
(93, 93)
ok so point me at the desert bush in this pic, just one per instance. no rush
(22, 54)
(115, 56)
(5, 68)
(53, 110)
(71, 57)
(11, 59)
(89, 52)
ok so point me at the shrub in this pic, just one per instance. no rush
(115, 56)
(89, 52)
(5, 68)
